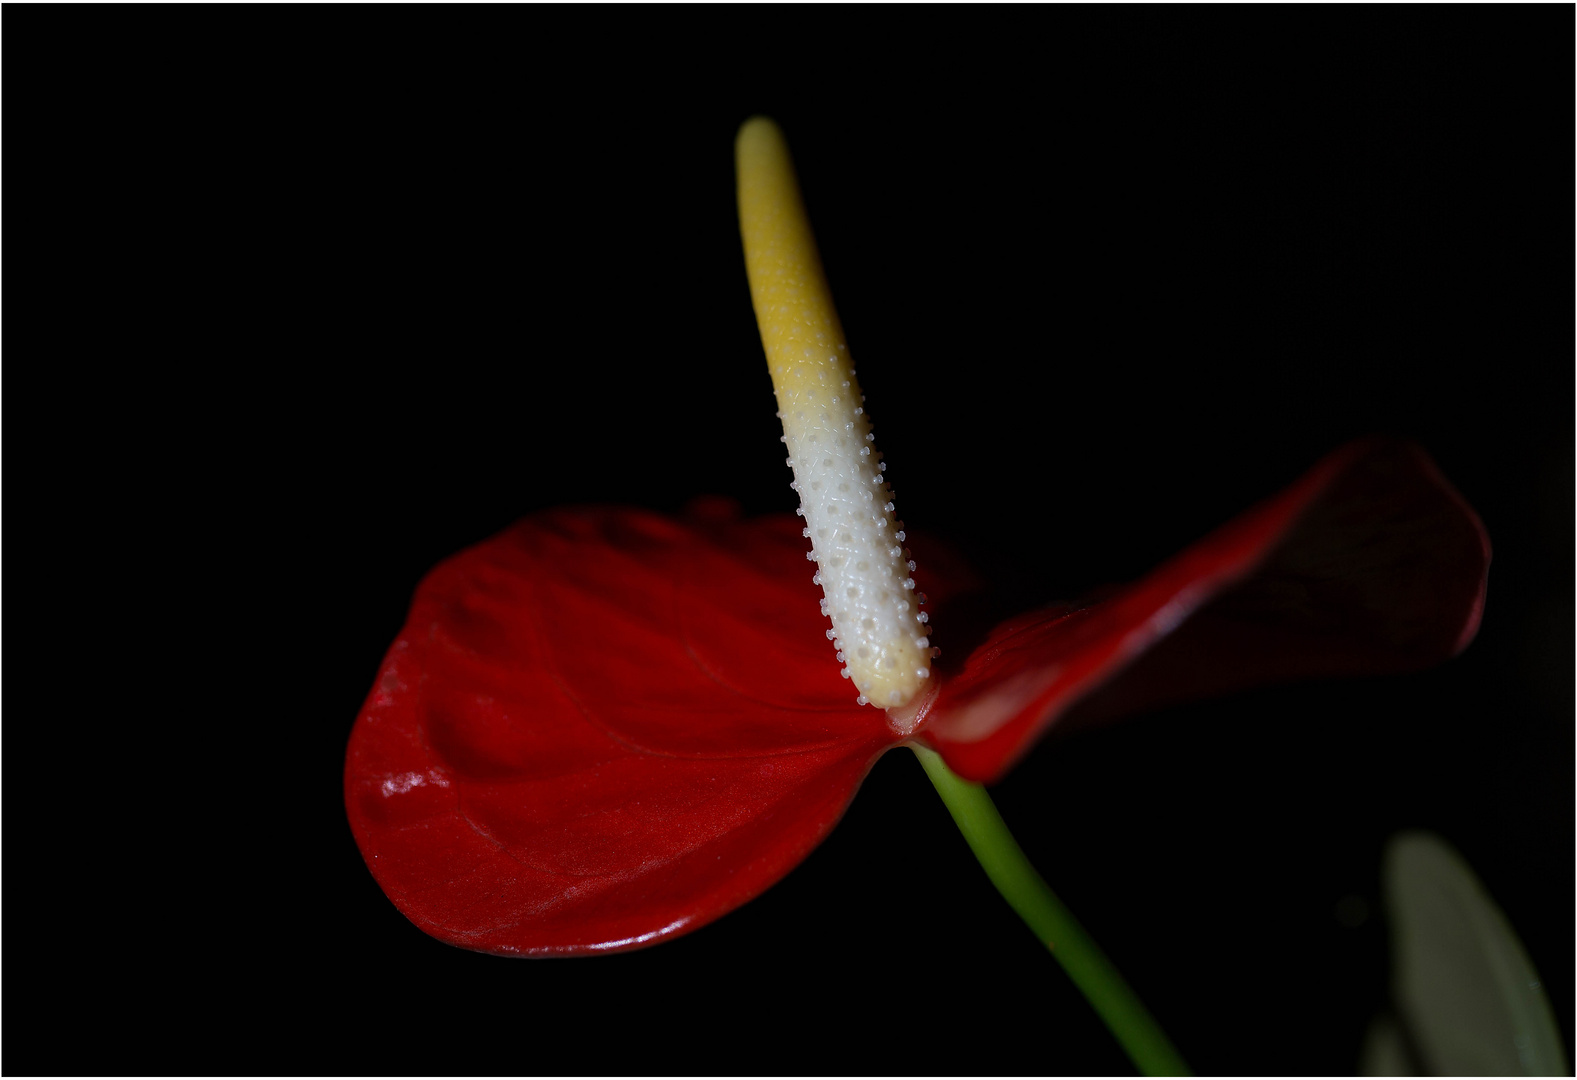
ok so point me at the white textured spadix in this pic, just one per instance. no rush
(856, 541)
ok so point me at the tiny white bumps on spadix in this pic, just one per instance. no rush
(869, 595)
(848, 507)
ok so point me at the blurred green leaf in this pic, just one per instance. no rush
(1385, 1050)
(1467, 993)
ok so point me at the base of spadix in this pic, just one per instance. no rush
(905, 719)
(857, 544)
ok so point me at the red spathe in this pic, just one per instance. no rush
(604, 727)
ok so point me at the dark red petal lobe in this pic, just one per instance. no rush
(1369, 563)
(602, 728)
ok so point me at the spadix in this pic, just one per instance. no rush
(856, 540)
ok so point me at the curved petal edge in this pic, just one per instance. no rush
(603, 728)
(1369, 563)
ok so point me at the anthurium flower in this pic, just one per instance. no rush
(605, 727)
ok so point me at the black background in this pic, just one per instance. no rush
(366, 291)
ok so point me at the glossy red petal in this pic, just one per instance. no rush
(602, 728)
(1369, 563)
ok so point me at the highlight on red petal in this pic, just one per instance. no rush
(602, 728)
(1369, 563)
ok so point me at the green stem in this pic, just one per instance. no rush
(1010, 871)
